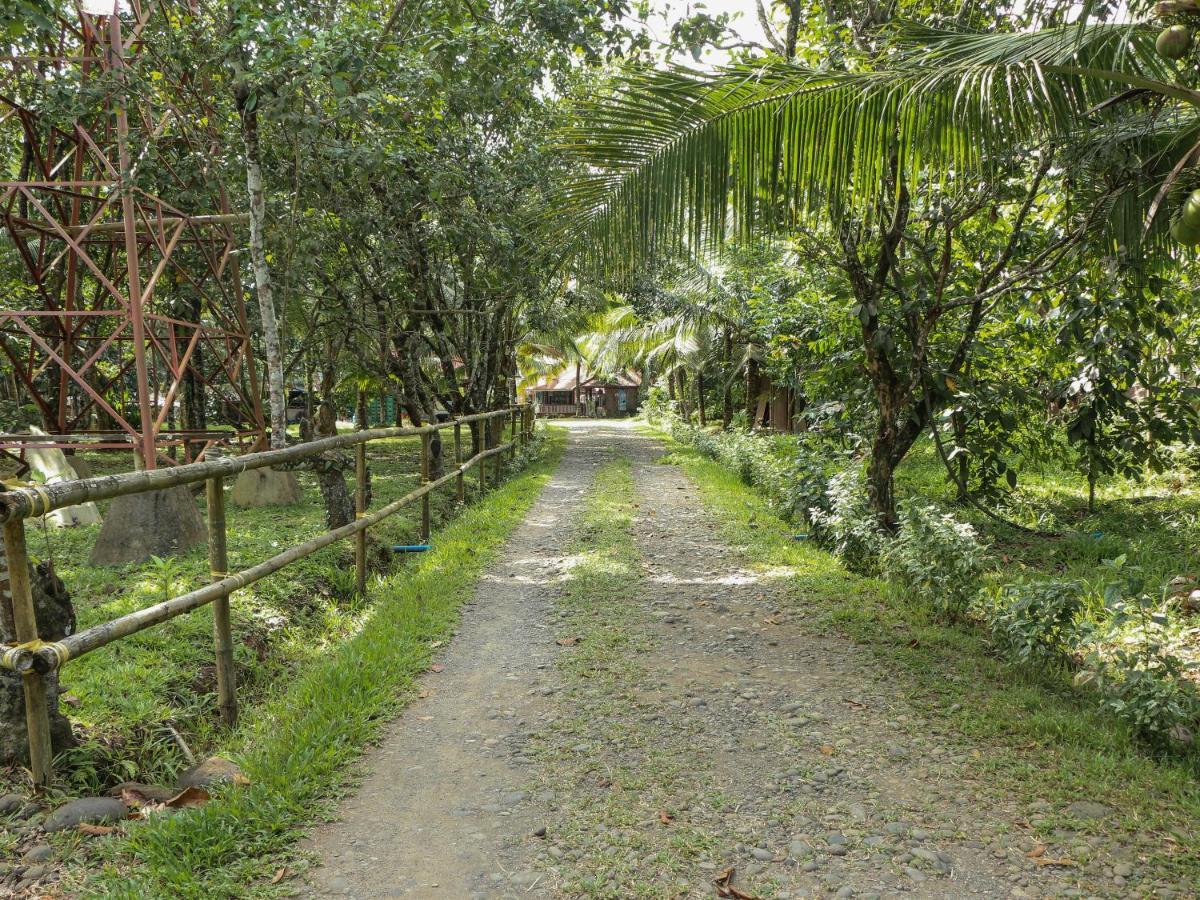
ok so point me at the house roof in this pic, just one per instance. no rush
(565, 381)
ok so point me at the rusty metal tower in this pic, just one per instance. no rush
(125, 235)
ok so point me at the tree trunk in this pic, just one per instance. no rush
(330, 468)
(262, 273)
(700, 397)
(752, 392)
(727, 390)
(961, 461)
(56, 619)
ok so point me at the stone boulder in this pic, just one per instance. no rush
(156, 523)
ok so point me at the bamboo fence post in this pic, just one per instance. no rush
(360, 508)
(37, 714)
(425, 480)
(514, 435)
(218, 562)
(484, 435)
(459, 482)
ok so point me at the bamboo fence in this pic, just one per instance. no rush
(34, 659)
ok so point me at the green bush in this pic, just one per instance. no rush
(846, 526)
(936, 557)
(1035, 620)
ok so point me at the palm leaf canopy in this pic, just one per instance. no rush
(678, 158)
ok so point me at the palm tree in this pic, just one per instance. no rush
(678, 161)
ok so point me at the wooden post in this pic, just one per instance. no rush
(360, 507)
(483, 442)
(37, 713)
(425, 480)
(514, 433)
(459, 482)
(218, 563)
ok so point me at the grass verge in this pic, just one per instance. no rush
(295, 747)
(1037, 739)
(603, 797)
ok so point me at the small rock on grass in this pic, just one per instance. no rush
(213, 771)
(90, 810)
(10, 803)
(1087, 809)
(39, 853)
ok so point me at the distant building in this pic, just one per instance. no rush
(579, 393)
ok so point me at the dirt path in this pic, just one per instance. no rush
(727, 734)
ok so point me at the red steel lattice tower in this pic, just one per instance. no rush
(126, 238)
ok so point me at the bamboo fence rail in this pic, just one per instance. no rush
(34, 658)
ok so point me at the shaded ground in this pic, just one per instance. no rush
(696, 720)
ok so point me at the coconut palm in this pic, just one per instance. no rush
(942, 120)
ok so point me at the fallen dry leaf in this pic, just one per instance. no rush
(240, 780)
(278, 876)
(70, 699)
(130, 797)
(436, 667)
(435, 645)
(854, 703)
(567, 642)
(190, 797)
(725, 887)
(1037, 851)
(665, 817)
(826, 749)
(95, 830)
(1046, 861)
(424, 694)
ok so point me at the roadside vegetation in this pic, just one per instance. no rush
(1047, 743)
(300, 733)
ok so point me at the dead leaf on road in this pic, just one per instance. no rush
(1037, 851)
(665, 817)
(725, 887)
(279, 875)
(95, 830)
(567, 642)
(826, 749)
(436, 667)
(1045, 861)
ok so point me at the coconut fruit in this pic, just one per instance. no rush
(1185, 233)
(1191, 210)
(1173, 42)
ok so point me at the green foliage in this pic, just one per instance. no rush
(937, 558)
(1035, 620)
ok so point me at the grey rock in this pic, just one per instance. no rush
(1124, 869)
(92, 810)
(339, 885)
(1087, 809)
(213, 771)
(896, 827)
(914, 874)
(10, 803)
(38, 854)
(762, 854)
(33, 873)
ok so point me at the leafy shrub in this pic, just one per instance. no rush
(1134, 665)
(845, 525)
(659, 409)
(938, 558)
(1035, 620)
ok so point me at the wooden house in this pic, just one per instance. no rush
(576, 392)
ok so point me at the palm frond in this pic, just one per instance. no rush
(679, 159)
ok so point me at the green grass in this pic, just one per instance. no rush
(300, 732)
(126, 695)
(604, 677)
(1154, 521)
(1038, 739)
